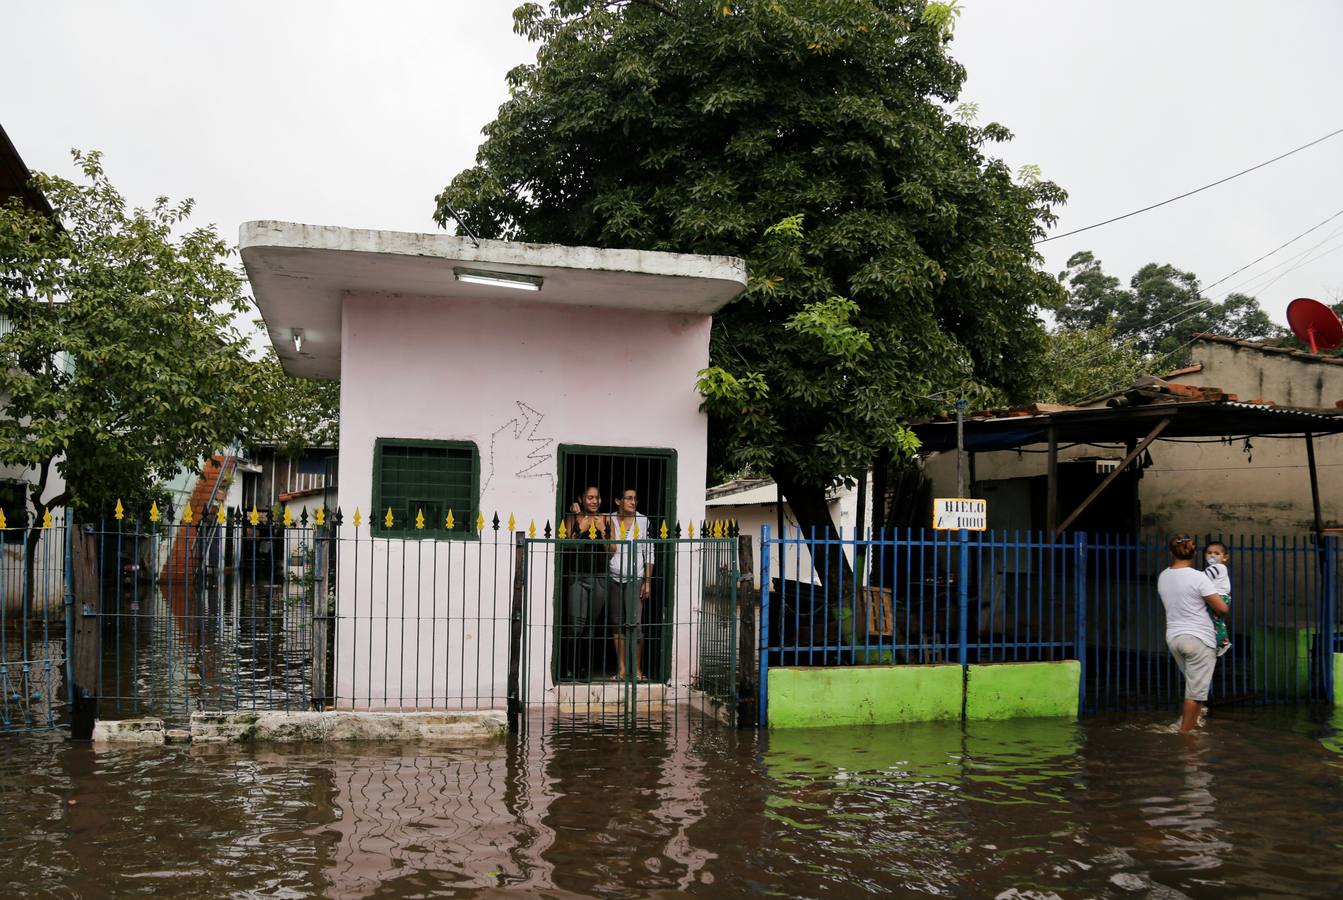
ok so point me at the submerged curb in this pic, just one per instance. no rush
(303, 727)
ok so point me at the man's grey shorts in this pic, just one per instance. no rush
(1196, 661)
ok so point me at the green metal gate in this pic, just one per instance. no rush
(575, 630)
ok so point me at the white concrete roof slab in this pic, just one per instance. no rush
(300, 273)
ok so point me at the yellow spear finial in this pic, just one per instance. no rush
(119, 512)
(636, 529)
(187, 515)
(222, 518)
(319, 517)
(592, 529)
(480, 522)
(288, 518)
(46, 517)
(388, 520)
(451, 522)
(663, 532)
(717, 528)
(419, 520)
(254, 517)
(531, 529)
(357, 517)
(690, 530)
(511, 524)
(154, 511)
(622, 531)
(3, 524)
(563, 532)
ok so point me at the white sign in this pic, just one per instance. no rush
(954, 513)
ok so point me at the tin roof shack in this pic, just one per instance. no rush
(1220, 465)
(482, 379)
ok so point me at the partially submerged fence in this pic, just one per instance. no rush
(117, 620)
(917, 596)
(236, 613)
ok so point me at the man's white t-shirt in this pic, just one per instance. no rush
(1182, 592)
(630, 562)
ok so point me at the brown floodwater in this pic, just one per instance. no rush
(1108, 807)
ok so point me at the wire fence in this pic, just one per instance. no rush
(169, 619)
(922, 597)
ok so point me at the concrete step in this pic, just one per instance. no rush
(606, 697)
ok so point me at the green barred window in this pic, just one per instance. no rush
(429, 477)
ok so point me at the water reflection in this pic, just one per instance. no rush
(172, 649)
(1107, 807)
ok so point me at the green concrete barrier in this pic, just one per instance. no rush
(863, 695)
(1281, 660)
(1022, 690)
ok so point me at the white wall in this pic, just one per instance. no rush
(518, 379)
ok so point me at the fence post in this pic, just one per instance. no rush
(746, 672)
(1080, 598)
(762, 703)
(515, 631)
(1328, 611)
(963, 593)
(323, 694)
(84, 651)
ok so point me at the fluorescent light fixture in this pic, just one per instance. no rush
(298, 339)
(499, 279)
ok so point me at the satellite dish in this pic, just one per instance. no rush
(1315, 324)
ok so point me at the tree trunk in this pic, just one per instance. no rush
(813, 516)
(881, 479)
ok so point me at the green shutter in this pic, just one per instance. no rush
(429, 477)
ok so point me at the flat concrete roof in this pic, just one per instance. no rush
(300, 273)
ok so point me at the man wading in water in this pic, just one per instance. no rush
(1188, 594)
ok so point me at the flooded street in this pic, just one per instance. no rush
(1106, 807)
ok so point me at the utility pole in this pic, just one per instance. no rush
(960, 447)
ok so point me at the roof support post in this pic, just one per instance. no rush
(1118, 470)
(1052, 482)
(1314, 484)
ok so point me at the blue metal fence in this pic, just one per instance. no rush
(920, 596)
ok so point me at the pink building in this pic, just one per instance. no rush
(499, 379)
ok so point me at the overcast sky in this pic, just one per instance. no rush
(356, 114)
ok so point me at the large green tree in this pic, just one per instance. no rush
(890, 253)
(120, 360)
(1159, 312)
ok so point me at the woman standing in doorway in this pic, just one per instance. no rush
(1188, 594)
(587, 531)
(631, 579)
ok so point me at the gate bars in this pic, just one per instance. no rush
(679, 642)
(914, 596)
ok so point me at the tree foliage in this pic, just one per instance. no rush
(890, 253)
(120, 361)
(305, 411)
(1082, 363)
(1159, 312)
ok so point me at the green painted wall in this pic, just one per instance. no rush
(863, 695)
(1022, 690)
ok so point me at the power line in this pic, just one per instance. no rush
(1286, 262)
(1194, 191)
(1274, 250)
(1201, 304)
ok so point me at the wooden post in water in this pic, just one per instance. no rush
(515, 632)
(322, 695)
(747, 665)
(86, 631)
